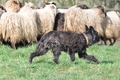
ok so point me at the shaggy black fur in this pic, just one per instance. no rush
(70, 42)
(59, 22)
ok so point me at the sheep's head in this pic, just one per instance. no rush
(83, 6)
(16, 2)
(52, 4)
(101, 7)
(13, 5)
(29, 4)
(100, 10)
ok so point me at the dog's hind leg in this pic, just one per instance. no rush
(32, 55)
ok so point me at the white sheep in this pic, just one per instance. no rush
(19, 27)
(46, 17)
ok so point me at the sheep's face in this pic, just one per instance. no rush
(51, 4)
(52, 7)
(13, 5)
(82, 6)
(48, 3)
(29, 4)
(16, 2)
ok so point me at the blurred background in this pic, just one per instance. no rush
(109, 4)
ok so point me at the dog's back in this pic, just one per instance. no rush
(64, 39)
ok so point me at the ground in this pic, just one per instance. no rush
(117, 42)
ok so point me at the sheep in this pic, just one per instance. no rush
(2, 10)
(76, 18)
(61, 10)
(111, 27)
(46, 17)
(59, 22)
(102, 8)
(13, 5)
(82, 6)
(59, 19)
(19, 27)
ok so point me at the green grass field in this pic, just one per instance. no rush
(14, 65)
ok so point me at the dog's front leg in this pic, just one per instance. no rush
(72, 56)
(56, 56)
(91, 58)
(83, 54)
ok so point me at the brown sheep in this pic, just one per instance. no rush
(111, 27)
(76, 19)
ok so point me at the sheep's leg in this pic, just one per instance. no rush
(114, 40)
(110, 41)
(101, 42)
(13, 45)
(105, 42)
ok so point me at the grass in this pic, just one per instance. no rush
(14, 65)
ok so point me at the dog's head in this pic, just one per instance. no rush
(92, 35)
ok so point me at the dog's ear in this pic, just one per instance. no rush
(86, 27)
(91, 29)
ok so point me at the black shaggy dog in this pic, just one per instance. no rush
(70, 42)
